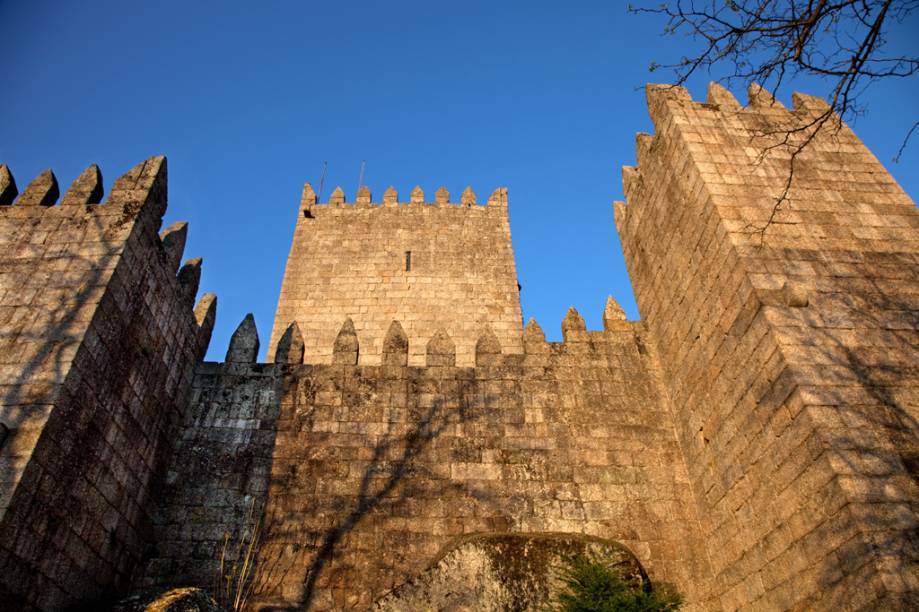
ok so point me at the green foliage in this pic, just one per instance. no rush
(595, 587)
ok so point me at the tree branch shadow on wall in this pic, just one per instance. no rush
(872, 439)
(394, 459)
(895, 543)
(47, 343)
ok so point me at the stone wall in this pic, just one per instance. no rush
(350, 260)
(376, 469)
(788, 340)
(217, 482)
(98, 346)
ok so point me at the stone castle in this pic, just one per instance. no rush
(752, 441)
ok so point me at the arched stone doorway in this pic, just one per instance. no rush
(510, 571)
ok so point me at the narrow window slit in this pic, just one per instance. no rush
(408, 261)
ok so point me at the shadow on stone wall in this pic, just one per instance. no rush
(99, 337)
(392, 477)
(46, 335)
(509, 572)
(853, 371)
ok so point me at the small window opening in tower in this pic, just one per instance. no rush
(408, 261)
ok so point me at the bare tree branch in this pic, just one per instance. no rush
(770, 42)
(909, 134)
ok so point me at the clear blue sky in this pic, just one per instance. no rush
(247, 99)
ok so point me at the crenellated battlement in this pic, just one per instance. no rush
(364, 199)
(760, 101)
(440, 348)
(142, 190)
(144, 184)
(764, 137)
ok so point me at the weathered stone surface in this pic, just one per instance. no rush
(143, 184)
(442, 196)
(717, 94)
(534, 332)
(631, 179)
(8, 191)
(390, 196)
(216, 483)
(643, 143)
(573, 325)
(338, 197)
(468, 197)
(42, 191)
(86, 189)
(189, 278)
(760, 97)
(290, 346)
(613, 315)
(378, 469)
(395, 346)
(808, 103)
(795, 294)
(346, 350)
(308, 198)
(487, 348)
(498, 197)
(506, 572)
(441, 351)
(244, 342)
(173, 239)
(205, 317)
(534, 339)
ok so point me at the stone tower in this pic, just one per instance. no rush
(428, 265)
(785, 315)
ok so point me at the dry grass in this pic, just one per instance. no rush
(234, 582)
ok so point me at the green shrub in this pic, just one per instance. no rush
(594, 587)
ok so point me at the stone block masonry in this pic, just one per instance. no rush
(370, 471)
(787, 330)
(430, 266)
(99, 343)
(217, 482)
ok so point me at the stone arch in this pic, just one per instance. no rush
(504, 571)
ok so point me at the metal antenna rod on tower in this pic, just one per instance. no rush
(360, 179)
(325, 166)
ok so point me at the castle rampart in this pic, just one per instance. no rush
(375, 469)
